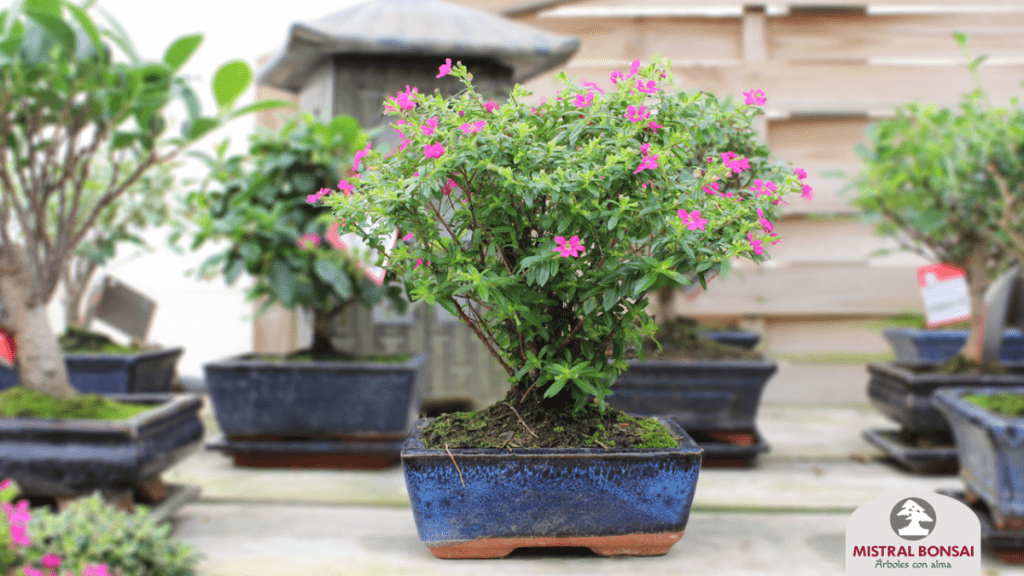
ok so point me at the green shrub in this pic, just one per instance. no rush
(90, 532)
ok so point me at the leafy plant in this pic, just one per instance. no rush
(543, 228)
(68, 102)
(257, 204)
(948, 184)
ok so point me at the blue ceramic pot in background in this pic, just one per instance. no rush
(916, 346)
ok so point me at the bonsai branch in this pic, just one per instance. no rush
(456, 464)
(487, 340)
(532, 433)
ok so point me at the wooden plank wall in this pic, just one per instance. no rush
(828, 69)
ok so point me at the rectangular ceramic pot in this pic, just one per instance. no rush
(917, 346)
(700, 395)
(905, 395)
(293, 400)
(63, 458)
(991, 451)
(485, 503)
(145, 372)
(739, 338)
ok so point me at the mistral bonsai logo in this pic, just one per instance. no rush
(919, 533)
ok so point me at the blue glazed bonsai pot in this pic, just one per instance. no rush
(917, 346)
(990, 447)
(903, 393)
(293, 400)
(145, 372)
(485, 503)
(739, 338)
(63, 458)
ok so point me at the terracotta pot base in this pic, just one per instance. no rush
(625, 545)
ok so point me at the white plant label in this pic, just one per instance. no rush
(365, 257)
(944, 291)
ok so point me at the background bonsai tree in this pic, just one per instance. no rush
(543, 228)
(948, 184)
(260, 205)
(66, 101)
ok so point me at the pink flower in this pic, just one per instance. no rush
(95, 570)
(490, 106)
(403, 144)
(5, 484)
(573, 248)
(593, 86)
(761, 187)
(448, 187)
(433, 150)
(634, 68)
(654, 126)
(616, 76)
(308, 241)
(419, 262)
(755, 97)
(312, 198)
(800, 173)
(644, 148)
(407, 237)
(474, 127)
(637, 114)
(428, 130)
(366, 151)
(445, 68)
(806, 193)
(584, 100)
(757, 245)
(737, 165)
(711, 188)
(50, 561)
(346, 187)
(649, 161)
(692, 220)
(650, 88)
(406, 100)
(30, 571)
(766, 225)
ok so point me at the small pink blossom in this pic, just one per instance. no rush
(766, 225)
(445, 68)
(403, 144)
(50, 561)
(312, 198)
(406, 100)
(692, 220)
(634, 68)
(30, 571)
(490, 106)
(593, 86)
(616, 76)
(735, 163)
(346, 187)
(807, 193)
(5, 484)
(573, 248)
(757, 245)
(95, 570)
(637, 114)
(474, 127)
(584, 100)
(711, 188)
(407, 237)
(365, 152)
(648, 162)
(419, 262)
(433, 150)
(448, 187)
(800, 173)
(644, 148)
(654, 126)
(309, 241)
(761, 187)
(650, 88)
(755, 97)
(428, 129)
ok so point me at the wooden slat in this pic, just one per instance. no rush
(846, 241)
(931, 5)
(811, 36)
(822, 88)
(808, 291)
(820, 337)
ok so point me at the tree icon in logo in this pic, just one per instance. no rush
(912, 519)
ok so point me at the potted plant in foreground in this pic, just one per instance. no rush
(543, 228)
(317, 406)
(948, 184)
(699, 378)
(65, 102)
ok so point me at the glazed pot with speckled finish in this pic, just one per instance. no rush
(485, 503)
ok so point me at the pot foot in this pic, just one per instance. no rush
(624, 545)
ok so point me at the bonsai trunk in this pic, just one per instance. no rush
(323, 328)
(978, 282)
(666, 299)
(77, 274)
(40, 359)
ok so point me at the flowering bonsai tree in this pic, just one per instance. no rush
(543, 228)
(948, 184)
(67, 102)
(256, 204)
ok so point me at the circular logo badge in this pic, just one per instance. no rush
(912, 518)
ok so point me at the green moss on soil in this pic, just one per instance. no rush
(512, 424)
(1005, 403)
(681, 339)
(20, 402)
(961, 365)
(75, 341)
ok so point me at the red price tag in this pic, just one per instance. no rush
(945, 295)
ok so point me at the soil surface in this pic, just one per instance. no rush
(961, 365)
(1005, 403)
(681, 339)
(20, 402)
(530, 424)
(76, 341)
(333, 356)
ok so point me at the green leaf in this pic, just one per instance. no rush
(334, 276)
(259, 106)
(282, 282)
(230, 81)
(181, 50)
(56, 28)
(199, 128)
(86, 23)
(610, 298)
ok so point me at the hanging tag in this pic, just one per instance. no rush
(365, 257)
(944, 291)
(8, 350)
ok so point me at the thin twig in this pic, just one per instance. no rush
(600, 444)
(521, 420)
(456, 465)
